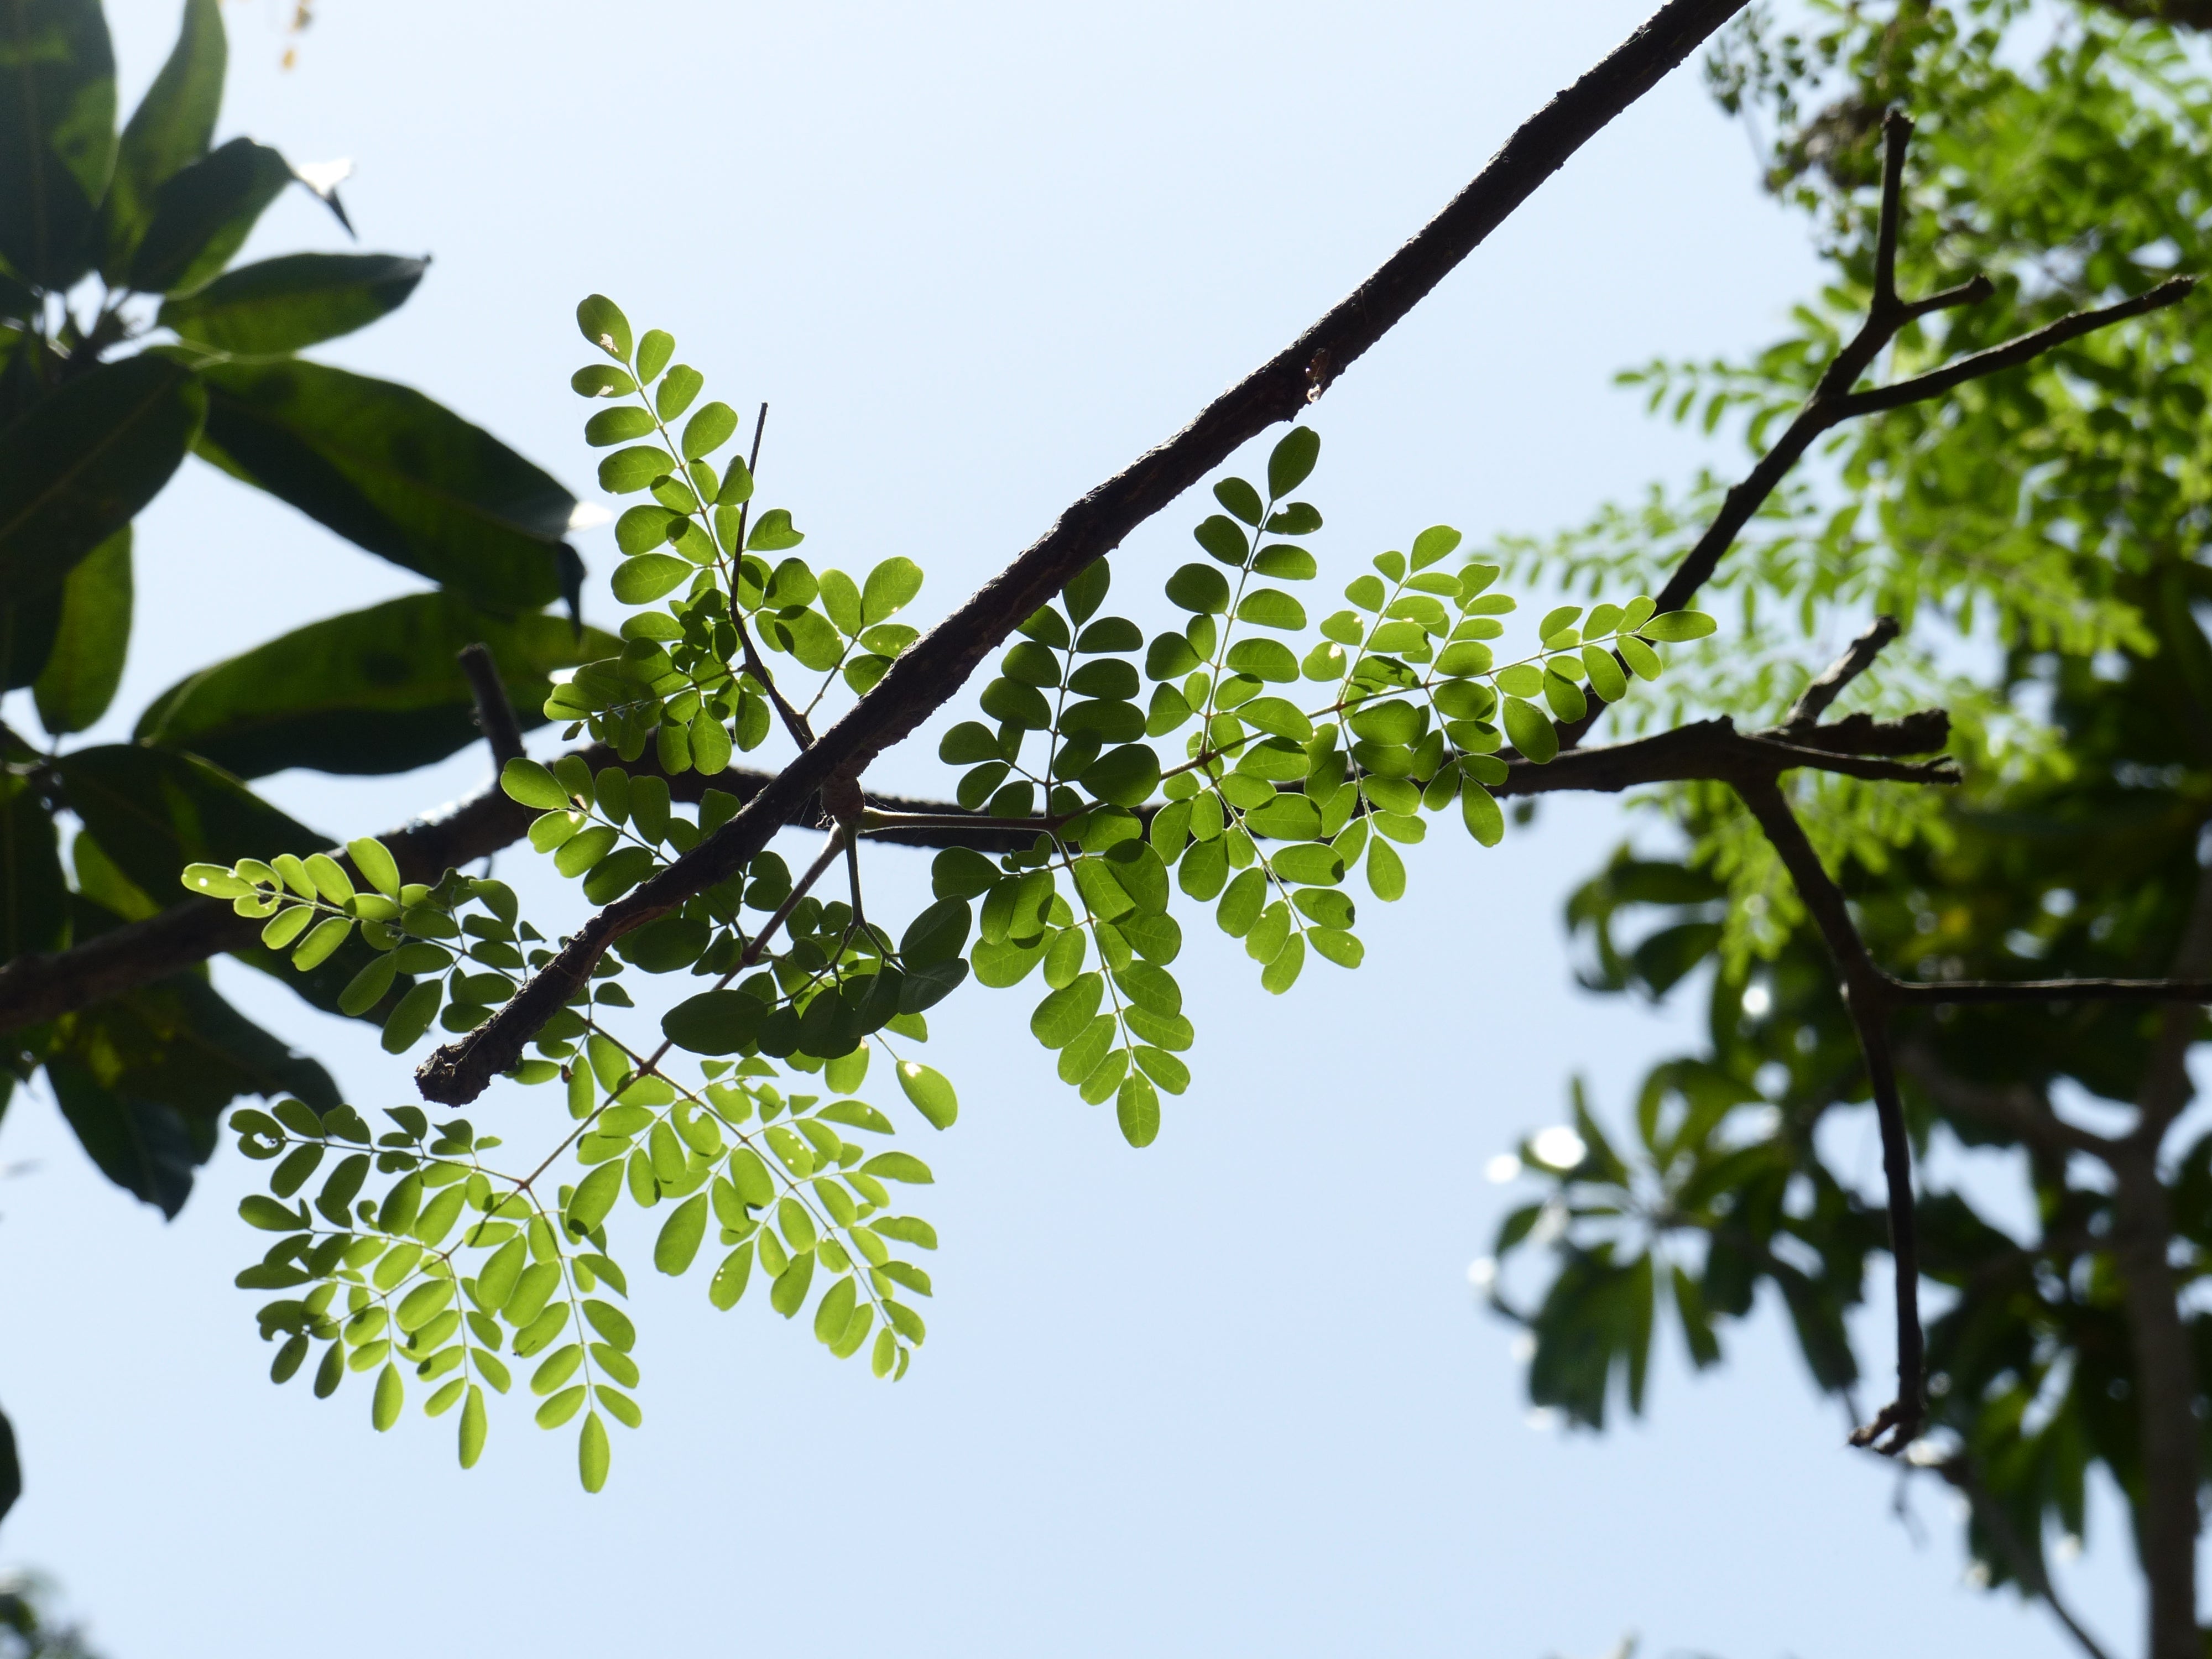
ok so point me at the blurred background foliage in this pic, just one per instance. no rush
(2040, 534)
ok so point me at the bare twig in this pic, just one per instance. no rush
(494, 714)
(927, 675)
(1866, 996)
(2012, 353)
(1813, 700)
(1834, 401)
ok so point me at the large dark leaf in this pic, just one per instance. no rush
(386, 467)
(203, 214)
(143, 1147)
(153, 812)
(168, 132)
(27, 637)
(92, 633)
(142, 1080)
(375, 690)
(281, 305)
(57, 134)
(33, 899)
(77, 466)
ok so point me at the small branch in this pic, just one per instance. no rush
(1813, 700)
(1866, 997)
(1714, 750)
(2012, 354)
(758, 944)
(494, 714)
(1897, 138)
(1973, 292)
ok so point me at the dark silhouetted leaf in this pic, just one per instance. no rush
(142, 1079)
(57, 135)
(203, 214)
(168, 132)
(375, 690)
(91, 635)
(153, 812)
(34, 900)
(386, 467)
(77, 466)
(280, 305)
(11, 1470)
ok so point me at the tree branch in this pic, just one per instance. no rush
(40, 986)
(1866, 996)
(2023, 1113)
(2012, 354)
(2167, 1516)
(1813, 700)
(938, 664)
(1833, 401)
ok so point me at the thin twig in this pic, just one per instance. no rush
(1866, 997)
(751, 955)
(1813, 700)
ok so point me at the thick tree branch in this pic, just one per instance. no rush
(2168, 1518)
(938, 664)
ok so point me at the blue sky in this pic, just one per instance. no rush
(1229, 1394)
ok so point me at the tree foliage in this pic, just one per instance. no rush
(2042, 532)
(2005, 482)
